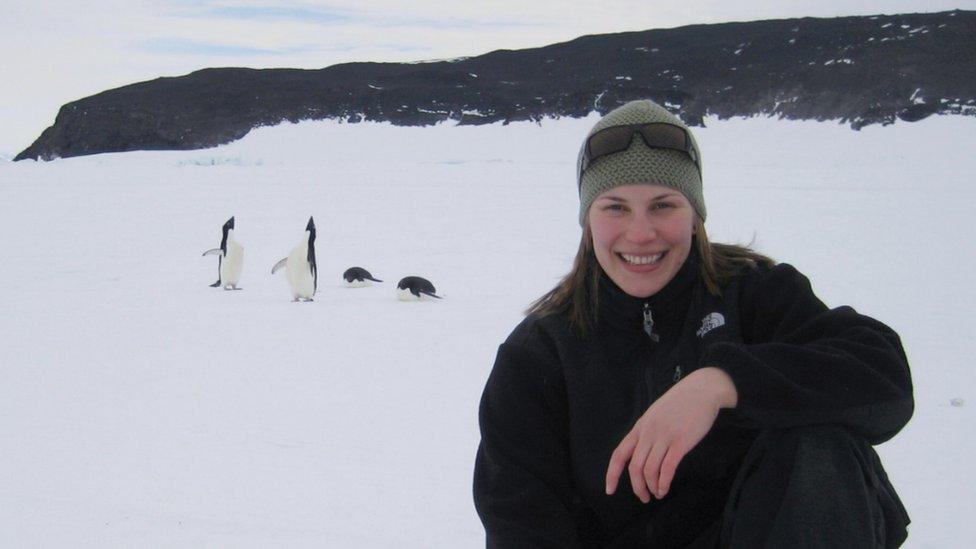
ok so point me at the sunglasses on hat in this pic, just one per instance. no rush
(656, 135)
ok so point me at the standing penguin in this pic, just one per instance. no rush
(300, 267)
(230, 259)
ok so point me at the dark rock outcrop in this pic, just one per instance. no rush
(859, 70)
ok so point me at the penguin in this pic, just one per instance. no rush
(300, 267)
(410, 288)
(230, 259)
(357, 277)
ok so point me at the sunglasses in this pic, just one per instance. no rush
(657, 135)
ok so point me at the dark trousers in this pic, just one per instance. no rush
(810, 487)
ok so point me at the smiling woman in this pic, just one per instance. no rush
(671, 392)
(641, 236)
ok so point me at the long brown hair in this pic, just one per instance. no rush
(576, 294)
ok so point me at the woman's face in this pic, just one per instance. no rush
(641, 235)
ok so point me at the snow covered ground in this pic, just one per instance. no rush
(141, 408)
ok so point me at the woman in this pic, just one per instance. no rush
(670, 392)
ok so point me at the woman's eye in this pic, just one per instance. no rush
(614, 207)
(662, 205)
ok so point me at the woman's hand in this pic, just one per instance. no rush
(668, 430)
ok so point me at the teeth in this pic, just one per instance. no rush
(641, 259)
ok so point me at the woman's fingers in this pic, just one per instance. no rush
(667, 431)
(652, 467)
(636, 471)
(621, 455)
(668, 466)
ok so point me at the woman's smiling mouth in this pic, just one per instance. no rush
(633, 259)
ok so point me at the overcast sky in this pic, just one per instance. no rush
(59, 51)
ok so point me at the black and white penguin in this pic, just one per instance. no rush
(412, 288)
(300, 268)
(357, 277)
(230, 259)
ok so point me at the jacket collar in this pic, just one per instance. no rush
(618, 309)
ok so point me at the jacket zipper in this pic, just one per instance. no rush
(649, 324)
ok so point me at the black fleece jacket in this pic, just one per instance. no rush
(556, 404)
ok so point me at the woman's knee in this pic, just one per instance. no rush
(805, 482)
(819, 443)
(804, 463)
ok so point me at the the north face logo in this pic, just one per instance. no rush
(709, 323)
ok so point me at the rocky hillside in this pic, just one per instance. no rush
(858, 70)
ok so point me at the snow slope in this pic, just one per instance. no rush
(139, 407)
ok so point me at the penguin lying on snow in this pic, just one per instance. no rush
(357, 277)
(230, 259)
(410, 288)
(300, 268)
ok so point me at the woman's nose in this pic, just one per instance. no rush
(641, 229)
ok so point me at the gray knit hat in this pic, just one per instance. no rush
(640, 163)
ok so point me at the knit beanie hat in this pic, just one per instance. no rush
(640, 163)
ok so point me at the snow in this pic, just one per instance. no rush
(139, 407)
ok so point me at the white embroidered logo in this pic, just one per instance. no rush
(709, 323)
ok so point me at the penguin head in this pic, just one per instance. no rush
(226, 229)
(352, 274)
(310, 229)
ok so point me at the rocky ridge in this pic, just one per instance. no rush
(856, 70)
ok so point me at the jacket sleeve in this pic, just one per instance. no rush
(805, 364)
(522, 478)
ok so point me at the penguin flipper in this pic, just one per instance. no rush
(215, 251)
(216, 284)
(279, 265)
(431, 294)
(373, 279)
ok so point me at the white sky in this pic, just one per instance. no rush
(59, 51)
